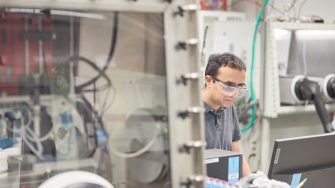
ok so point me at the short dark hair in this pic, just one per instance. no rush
(215, 61)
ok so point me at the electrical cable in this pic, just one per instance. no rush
(105, 107)
(39, 139)
(100, 88)
(94, 66)
(203, 47)
(28, 135)
(110, 55)
(252, 92)
(243, 115)
(90, 106)
(275, 8)
(39, 146)
(96, 116)
(300, 8)
(98, 123)
(291, 5)
(87, 113)
(25, 131)
(61, 140)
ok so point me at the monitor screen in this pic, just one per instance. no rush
(309, 158)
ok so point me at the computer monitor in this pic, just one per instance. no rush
(309, 157)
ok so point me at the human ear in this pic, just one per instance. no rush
(208, 80)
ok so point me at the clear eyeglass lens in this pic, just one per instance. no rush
(227, 87)
(241, 90)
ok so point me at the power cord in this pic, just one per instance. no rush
(110, 56)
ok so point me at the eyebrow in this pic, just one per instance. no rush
(229, 82)
(232, 83)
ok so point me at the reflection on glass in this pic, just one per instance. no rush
(83, 91)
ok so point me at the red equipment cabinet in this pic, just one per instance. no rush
(213, 4)
(19, 49)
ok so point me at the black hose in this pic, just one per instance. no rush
(310, 90)
(85, 112)
(110, 54)
(322, 112)
(331, 87)
(94, 66)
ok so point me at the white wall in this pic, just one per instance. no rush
(322, 8)
(250, 8)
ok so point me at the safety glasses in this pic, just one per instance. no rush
(242, 90)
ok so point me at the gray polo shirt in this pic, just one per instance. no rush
(221, 128)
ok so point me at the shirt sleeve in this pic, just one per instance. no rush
(236, 134)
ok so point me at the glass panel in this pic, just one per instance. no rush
(83, 91)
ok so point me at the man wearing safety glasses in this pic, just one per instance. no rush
(224, 83)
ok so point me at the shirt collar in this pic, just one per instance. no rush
(209, 109)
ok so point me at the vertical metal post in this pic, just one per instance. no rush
(186, 117)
